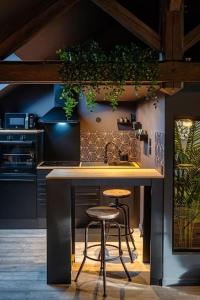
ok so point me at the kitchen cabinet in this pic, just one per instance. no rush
(17, 197)
(20, 152)
(85, 197)
(42, 193)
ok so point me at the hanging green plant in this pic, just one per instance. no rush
(85, 68)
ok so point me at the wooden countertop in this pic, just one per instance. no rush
(94, 173)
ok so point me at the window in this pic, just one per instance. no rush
(186, 220)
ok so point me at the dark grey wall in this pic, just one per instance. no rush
(31, 98)
(152, 120)
(39, 99)
(177, 267)
(104, 112)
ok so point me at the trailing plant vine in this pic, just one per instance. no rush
(85, 68)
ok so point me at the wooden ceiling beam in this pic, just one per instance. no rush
(171, 88)
(39, 72)
(129, 21)
(13, 38)
(192, 38)
(172, 38)
(175, 5)
(173, 34)
(179, 71)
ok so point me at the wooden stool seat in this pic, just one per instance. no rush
(102, 212)
(117, 193)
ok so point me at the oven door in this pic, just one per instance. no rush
(17, 196)
(17, 156)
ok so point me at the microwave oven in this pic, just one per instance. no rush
(19, 121)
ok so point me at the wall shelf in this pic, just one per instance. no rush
(124, 125)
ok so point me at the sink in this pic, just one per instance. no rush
(120, 163)
(101, 164)
(93, 164)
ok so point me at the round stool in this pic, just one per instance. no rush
(124, 209)
(103, 215)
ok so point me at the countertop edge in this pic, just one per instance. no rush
(80, 173)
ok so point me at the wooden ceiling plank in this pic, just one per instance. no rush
(192, 38)
(12, 39)
(48, 72)
(129, 21)
(175, 5)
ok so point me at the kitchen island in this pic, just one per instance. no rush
(60, 215)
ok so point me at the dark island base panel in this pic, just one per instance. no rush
(23, 223)
(60, 234)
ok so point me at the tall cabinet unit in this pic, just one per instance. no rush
(20, 152)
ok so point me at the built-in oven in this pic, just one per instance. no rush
(20, 152)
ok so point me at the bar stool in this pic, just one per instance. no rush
(124, 209)
(103, 215)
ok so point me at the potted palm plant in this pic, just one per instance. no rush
(186, 183)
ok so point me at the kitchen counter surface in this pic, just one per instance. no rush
(85, 173)
(90, 165)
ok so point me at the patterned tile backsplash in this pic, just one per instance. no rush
(159, 151)
(93, 145)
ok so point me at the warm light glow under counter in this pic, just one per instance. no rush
(103, 173)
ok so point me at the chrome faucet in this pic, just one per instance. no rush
(106, 151)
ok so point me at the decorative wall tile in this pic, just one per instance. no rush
(159, 151)
(93, 145)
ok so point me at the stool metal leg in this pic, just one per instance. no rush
(126, 233)
(85, 248)
(103, 262)
(121, 252)
(106, 237)
(126, 216)
(100, 252)
(128, 222)
(84, 253)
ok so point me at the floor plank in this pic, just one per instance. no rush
(23, 273)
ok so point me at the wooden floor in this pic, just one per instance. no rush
(23, 274)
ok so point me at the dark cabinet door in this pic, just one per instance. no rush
(18, 198)
(85, 197)
(42, 193)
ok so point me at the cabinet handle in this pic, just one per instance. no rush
(17, 180)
